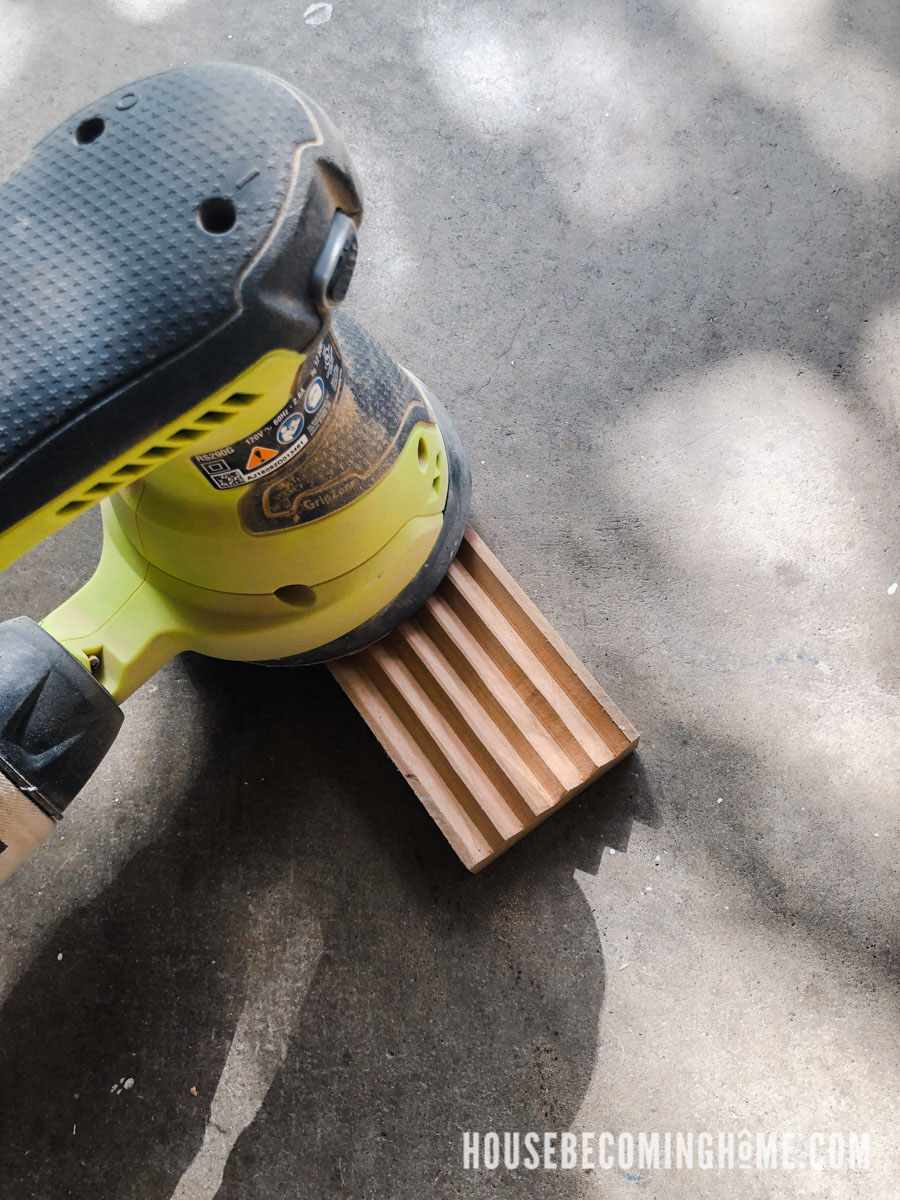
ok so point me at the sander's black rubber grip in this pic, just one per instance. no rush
(152, 247)
(56, 721)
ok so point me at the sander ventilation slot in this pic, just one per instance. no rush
(169, 443)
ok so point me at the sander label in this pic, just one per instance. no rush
(281, 439)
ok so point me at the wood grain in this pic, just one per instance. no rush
(484, 708)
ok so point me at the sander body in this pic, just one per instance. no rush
(275, 487)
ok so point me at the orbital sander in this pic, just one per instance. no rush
(275, 488)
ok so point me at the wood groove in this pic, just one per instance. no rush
(499, 699)
(432, 786)
(451, 697)
(562, 718)
(529, 622)
(453, 747)
(484, 709)
(427, 765)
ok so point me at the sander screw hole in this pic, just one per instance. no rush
(89, 130)
(217, 214)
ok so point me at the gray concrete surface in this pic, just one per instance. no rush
(644, 250)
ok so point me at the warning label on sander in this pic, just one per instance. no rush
(281, 439)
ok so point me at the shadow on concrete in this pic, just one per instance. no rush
(441, 1001)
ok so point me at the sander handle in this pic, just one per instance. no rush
(56, 724)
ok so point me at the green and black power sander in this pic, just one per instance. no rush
(275, 488)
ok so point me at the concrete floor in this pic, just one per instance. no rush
(644, 252)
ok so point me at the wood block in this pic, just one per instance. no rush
(484, 708)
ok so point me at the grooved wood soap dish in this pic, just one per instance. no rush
(484, 708)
